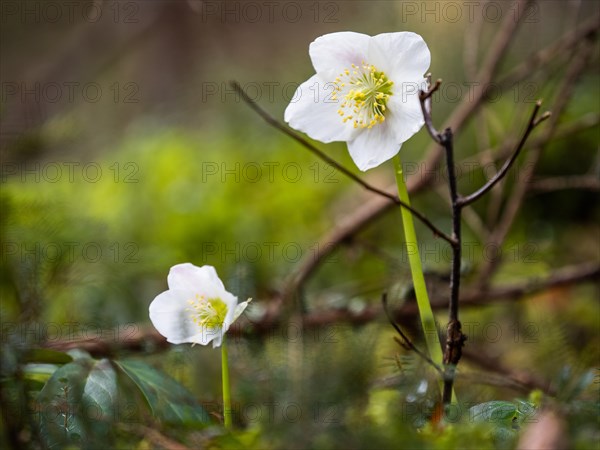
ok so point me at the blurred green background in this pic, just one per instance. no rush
(125, 151)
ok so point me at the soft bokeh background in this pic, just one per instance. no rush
(125, 151)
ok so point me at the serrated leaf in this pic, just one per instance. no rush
(168, 399)
(76, 406)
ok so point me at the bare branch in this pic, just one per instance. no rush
(144, 339)
(549, 184)
(304, 142)
(425, 100)
(533, 122)
(405, 340)
(518, 379)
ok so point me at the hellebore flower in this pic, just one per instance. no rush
(196, 308)
(365, 92)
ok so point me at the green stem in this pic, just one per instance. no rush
(425, 312)
(226, 393)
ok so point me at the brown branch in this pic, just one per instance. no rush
(549, 184)
(518, 379)
(306, 144)
(406, 342)
(143, 339)
(425, 101)
(533, 122)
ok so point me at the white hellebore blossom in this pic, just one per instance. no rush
(196, 309)
(365, 92)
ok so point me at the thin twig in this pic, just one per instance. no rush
(425, 100)
(405, 340)
(549, 184)
(472, 219)
(286, 130)
(519, 379)
(454, 337)
(533, 122)
(301, 140)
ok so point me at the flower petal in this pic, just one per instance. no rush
(239, 309)
(206, 335)
(218, 340)
(231, 302)
(403, 56)
(405, 116)
(334, 52)
(314, 112)
(373, 147)
(169, 315)
(191, 278)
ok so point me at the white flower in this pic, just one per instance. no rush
(365, 92)
(196, 308)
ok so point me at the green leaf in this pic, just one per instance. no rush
(497, 412)
(526, 411)
(37, 374)
(46, 356)
(168, 400)
(77, 404)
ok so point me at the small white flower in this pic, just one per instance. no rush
(365, 92)
(196, 308)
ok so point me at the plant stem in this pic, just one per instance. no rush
(425, 312)
(226, 393)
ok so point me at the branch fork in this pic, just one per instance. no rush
(455, 338)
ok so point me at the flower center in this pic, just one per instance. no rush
(365, 91)
(209, 313)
